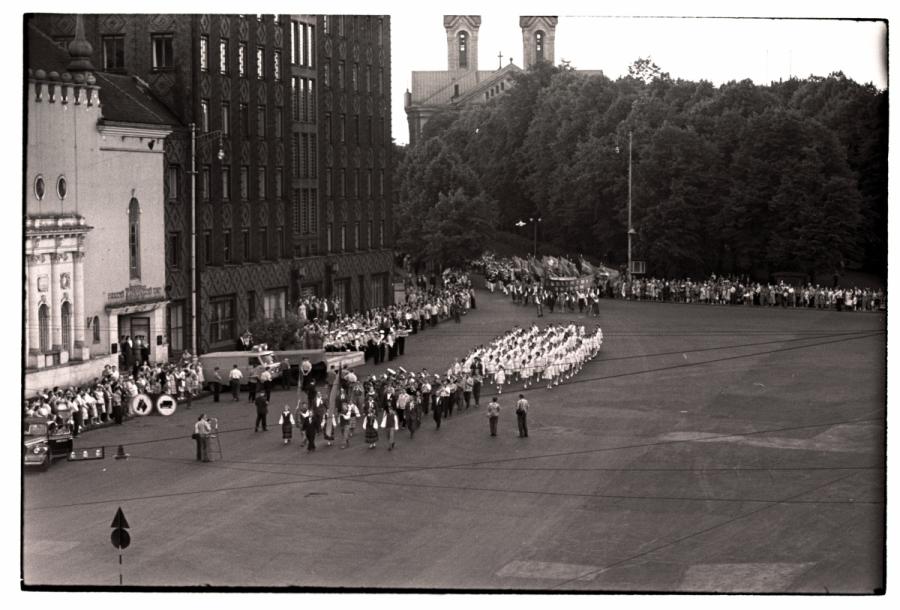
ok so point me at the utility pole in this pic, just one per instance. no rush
(630, 229)
(194, 239)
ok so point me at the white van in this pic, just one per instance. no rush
(249, 362)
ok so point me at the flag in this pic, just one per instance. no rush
(536, 269)
(586, 267)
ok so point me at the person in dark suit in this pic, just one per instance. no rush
(262, 409)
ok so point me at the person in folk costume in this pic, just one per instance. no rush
(450, 385)
(391, 423)
(329, 424)
(426, 393)
(413, 414)
(286, 421)
(437, 410)
(347, 417)
(468, 384)
(402, 401)
(319, 408)
(370, 425)
(477, 378)
(500, 379)
(307, 423)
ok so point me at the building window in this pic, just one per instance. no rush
(207, 247)
(226, 183)
(342, 183)
(539, 46)
(369, 183)
(242, 59)
(261, 192)
(328, 237)
(245, 182)
(279, 123)
(369, 241)
(223, 56)
(174, 250)
(380, 31)
(356, 183)
(95, 327)
(176, 326)
(274, 303)
(463, 50)
(279, 242)
(245, 241)
(263, 243)
(313, 157)
(326, 74)
(221, 320)
(204, 183)
(163, 56)
(204, 54)
(313, 212)
(328, 179)
(251, 305)
(325, 26)
(356, 129)
(379, 288)
(172, 182)
(204, 116)
(368, 79)
(134, 239)
(294, 41)
(340, 75)
(311, 46)
(66, 320)
(279, 182)
(44, 328)
(261, 121)
(62, 188)
(327, 127)
(39, 187)
(226, 119)
(244, 118)
(356, 236)
(369, 129)
(381, 234)
(311, 101)
(226, 246)
(260, 63)
(295, 154)
(295, 210)
(113, 52)
(381, 183)
(295, 98)
(276, 65)
(342, 129)
(354, 77)
(343, 237)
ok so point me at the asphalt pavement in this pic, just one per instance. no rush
(707, 448)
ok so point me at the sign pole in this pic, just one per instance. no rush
(120, 569)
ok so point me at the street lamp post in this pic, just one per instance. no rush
(534, 221)
(630, 228)
(221, 155)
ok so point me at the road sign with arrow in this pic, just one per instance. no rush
(120, 537)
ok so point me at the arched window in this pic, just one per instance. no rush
(538, 46)
(44, 328)
(463, 50)
(134, 239)
(66, 315)
(95, 324)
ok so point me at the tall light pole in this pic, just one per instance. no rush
(630, 228)
(221, 156)
(534, 221)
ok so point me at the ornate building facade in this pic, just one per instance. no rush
(463, 83)
(94, 201)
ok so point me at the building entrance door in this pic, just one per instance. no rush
(138, 328)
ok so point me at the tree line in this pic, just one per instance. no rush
(740, 178)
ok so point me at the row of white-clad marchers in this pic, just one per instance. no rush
(534, 355)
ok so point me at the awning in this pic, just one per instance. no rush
(126, 309)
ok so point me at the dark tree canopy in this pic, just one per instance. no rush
(739, 178)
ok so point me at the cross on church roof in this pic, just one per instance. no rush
(500, 62)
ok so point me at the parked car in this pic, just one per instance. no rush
(41, 444)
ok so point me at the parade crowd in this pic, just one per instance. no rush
(106, 399)
(523, 288)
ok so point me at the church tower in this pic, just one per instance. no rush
(538, 35)
(462, 41)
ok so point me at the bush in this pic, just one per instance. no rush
(278, 333)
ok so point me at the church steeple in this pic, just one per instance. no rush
(80, 50)
(462, 41)
(538, 36)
